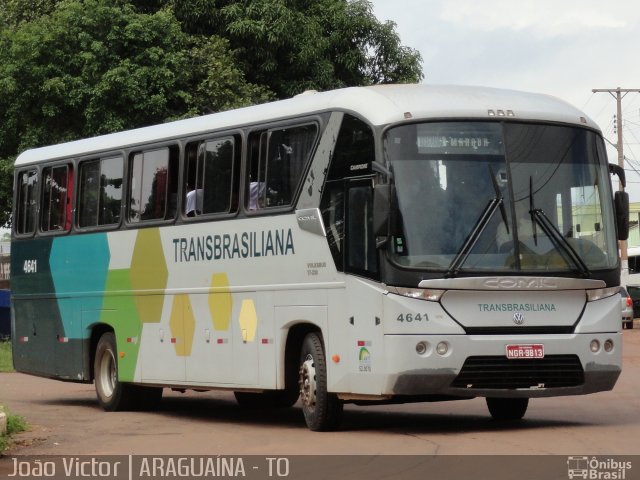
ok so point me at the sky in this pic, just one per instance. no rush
(563, 48)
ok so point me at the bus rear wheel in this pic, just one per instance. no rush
(506, 409)
(112, 394)
(322, 410)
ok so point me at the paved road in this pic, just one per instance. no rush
(66, 420)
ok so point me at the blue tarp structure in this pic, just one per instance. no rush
(5, 313)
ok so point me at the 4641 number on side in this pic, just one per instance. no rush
(30, 266)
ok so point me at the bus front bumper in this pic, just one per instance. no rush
(475, 366)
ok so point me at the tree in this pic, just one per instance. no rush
(294, 45)
(99, 66)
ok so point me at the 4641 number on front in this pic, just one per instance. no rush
(413, 317)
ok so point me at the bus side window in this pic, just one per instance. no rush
(256, 170)
(27, 202)
(56, 201)
(278, 159)
(100, 192)
(355, 150)
(353, 154)
(361, 245)
(211, 176)
(153, 186)
(332, 208)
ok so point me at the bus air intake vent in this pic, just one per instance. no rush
(498, 372)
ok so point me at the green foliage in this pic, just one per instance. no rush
(291, 46)
(77, 68)
(15, 424)
(91, 67)
(6, 363)
(98, 66)
(6, 190)
(221, 85)
(15, 12)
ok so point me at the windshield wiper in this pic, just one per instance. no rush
(503, 210)
(538, 216)
(478, 228)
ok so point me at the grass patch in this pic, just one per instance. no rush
(15, 424)
(6, 364)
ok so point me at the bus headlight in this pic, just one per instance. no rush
(430, 295)
(600, 293)
(594, 346)
(442, 348)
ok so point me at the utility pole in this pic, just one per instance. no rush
(619, 94)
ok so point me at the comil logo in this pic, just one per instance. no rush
(595, 468)
(520, 283)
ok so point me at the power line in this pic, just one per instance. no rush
(618, 94)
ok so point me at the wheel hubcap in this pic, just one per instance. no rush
(108, 374)
(307, 382)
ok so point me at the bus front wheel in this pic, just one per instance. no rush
(322, 410)
(507, 408)
(112, 394)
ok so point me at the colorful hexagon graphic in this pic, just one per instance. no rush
(248, 320)
(182, 324)
(120, 311)
(149, 275)
(220, 302)
(80, 264)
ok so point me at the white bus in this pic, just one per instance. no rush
(366, 245)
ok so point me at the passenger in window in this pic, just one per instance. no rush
(194, 201)
(256, 195)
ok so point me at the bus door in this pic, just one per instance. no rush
(364, 296)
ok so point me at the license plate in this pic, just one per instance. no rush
(525, 351)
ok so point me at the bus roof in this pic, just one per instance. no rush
(379, 105)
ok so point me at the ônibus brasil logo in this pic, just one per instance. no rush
(597, 468)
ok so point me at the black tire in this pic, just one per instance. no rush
(269, 399)
(506, 409)
(112, 394)
(322, 410)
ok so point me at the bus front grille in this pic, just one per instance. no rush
(498, 372)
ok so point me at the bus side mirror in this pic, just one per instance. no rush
(384, 210)
(621, 203)
(619, 171)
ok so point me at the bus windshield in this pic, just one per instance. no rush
(489, 196)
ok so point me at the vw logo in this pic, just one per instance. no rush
(518, 318)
